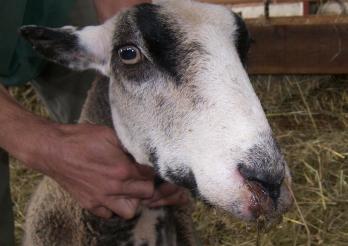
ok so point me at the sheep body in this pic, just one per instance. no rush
(54, 218)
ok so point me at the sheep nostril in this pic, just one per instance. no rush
(268, 184)
(273, 190)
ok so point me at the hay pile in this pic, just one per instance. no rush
(309, 116)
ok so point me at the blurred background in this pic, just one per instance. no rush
(298, 65)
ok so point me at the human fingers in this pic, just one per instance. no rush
(138, 189)
(164, 190)
(178, 198)
(123, 207)
(102, 212)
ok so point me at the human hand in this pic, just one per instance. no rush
(88, 162)
(168, 194)
(91, 165)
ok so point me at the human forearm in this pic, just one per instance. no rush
(21, 132)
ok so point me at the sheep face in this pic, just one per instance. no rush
(181, 100)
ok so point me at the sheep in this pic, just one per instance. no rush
(182, 104)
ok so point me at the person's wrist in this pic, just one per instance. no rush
(38, 150)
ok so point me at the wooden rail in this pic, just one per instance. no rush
(306, 3)
(299, 45)
(296, 45)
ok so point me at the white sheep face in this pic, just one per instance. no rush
(181, 100)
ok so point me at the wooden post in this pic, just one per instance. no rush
(306, 8)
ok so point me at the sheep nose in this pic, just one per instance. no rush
(268, 181)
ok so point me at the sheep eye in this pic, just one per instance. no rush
(130, 55)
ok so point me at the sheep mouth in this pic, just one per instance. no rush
(266, 211)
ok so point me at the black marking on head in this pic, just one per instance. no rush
(183, 178)
(126, 35)
(144, 244)
(243, 39)
(153, 158)
(55, 44)
(160, 39)
(164, 40)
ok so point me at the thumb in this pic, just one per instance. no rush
(123, 207)
(146, 171)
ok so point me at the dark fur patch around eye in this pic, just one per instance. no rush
(160, 39)
(164, 41)
(243, 39)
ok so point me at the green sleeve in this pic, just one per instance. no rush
(18, 62)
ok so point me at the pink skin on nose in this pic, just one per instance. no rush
(260, 202)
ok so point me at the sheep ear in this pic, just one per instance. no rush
(243, 39)
(77, 49)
